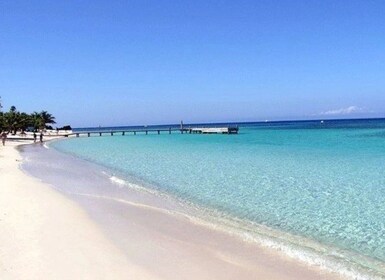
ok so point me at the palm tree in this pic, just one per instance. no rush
(2, 122)
(11, 119)
(47, 117)
(40, 120)
(23, 121)
(37, 121)
(14, 120)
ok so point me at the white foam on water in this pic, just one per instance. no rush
(124, 183)
(118, 181)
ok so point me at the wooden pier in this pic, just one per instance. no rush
(190, 130)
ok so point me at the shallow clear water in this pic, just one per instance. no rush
(324, 182)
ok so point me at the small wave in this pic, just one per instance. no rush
(124, 183)
(118, 181)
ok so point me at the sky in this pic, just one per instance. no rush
(92, 63)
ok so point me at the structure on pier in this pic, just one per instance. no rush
(214, 130)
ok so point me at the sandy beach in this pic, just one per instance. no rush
(43, 235)
(46, 235)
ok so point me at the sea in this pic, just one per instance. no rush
(314, 190)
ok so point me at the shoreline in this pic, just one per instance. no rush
(47, 236)
(170, 247)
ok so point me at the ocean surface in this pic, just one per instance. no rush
(313, 190)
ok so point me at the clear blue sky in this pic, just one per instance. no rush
(143, 62)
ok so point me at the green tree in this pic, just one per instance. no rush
(2, 124)
(40, 120)
(37, 121)
(47, 118)
(13, 120)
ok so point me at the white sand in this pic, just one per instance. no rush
(45, 235)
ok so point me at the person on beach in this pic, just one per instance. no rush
(3, 137)
(34, 137)
(41, 137)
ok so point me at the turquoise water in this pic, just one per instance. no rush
(318, 182)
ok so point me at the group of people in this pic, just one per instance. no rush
(40, 137)
(4, 134)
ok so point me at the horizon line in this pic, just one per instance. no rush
(237, 123)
